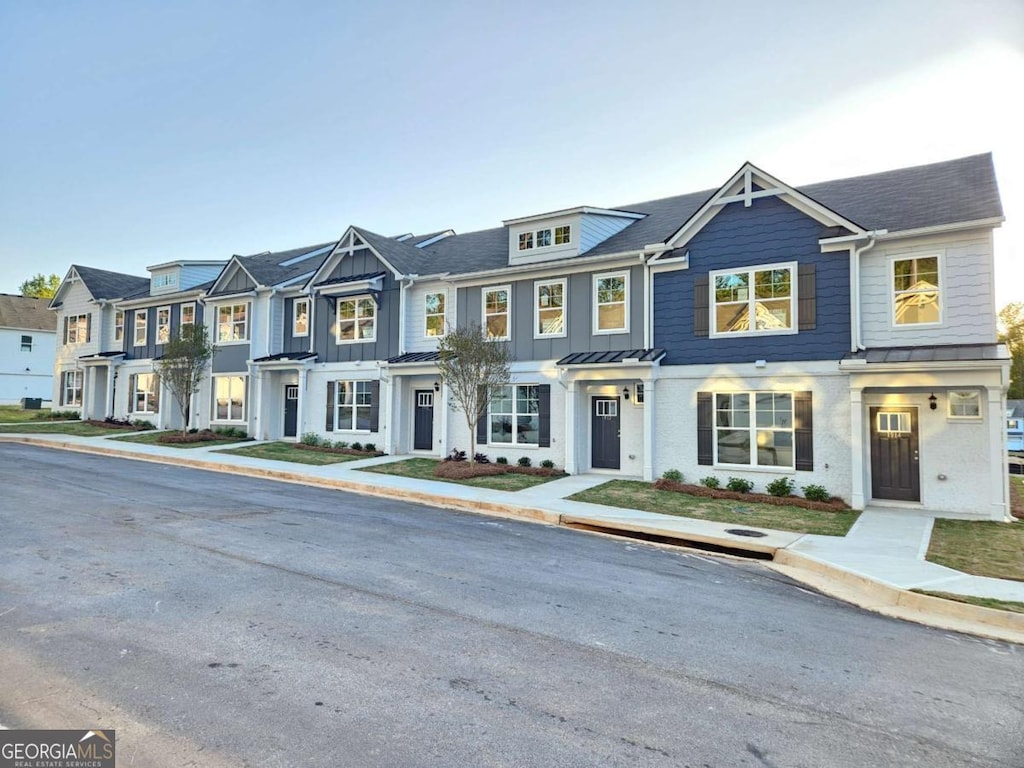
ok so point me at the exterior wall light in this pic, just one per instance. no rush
(625, 393)
(437, 386)
(932, 401)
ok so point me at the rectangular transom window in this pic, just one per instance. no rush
(119, 325)
(549, 308)
(300, 317)
(607, 409)
(544, 238)
(229, 398)
(233, 323)
(357, 320)
(71, 388)
(514, 416)
(893, 423)
(965, 405)
(78, 329)
(141, 319)
(354, 400)
(496, 312)
(611, 303)
(754, 429)
(26, 343)
(188, 314)
(756, 300)
(145, 395)
(433, 310)
(916, 289)
(163, 325)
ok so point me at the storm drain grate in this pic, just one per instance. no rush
(745, 532)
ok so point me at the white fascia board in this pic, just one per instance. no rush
(861, 367)
(435, 239)
(234, 262)
(547, 269)
(162, 299)
(229, 297)
(189, 263)
(943, 228)
(291, 282)
(581, 209)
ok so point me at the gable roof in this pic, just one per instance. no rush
(270, 269)
(103, 284)
(26, 313)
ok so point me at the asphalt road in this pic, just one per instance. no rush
(216, 621)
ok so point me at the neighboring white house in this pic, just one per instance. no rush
(28, 334)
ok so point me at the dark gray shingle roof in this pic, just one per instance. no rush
(268, 268)
(103, 284)
(26, 312)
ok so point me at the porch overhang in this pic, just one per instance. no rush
(101, 358)
(285, 361)
(623, 357)
(413, 363)
(939, 357)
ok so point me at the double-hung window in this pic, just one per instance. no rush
(549, 309)
(163, 325)
(300, 317)
(916, 291)
(229, 398)
(754, 428)
(433, 309)
(233, 323)
(141, 318)
(354, 401)
(119, 325)
(357, 320)
(611, 303)
(78, 329)
(514, 415)
(497, 308)
(26, 343)
(71, 388)
(145, 396)
(755, 300)
(188, 314)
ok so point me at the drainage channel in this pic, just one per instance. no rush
(675, 541)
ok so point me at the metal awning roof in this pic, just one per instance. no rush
(626, 356)
(940, 353)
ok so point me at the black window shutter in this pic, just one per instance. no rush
(481, 423)
(803, 431)
(64, 375)
(705, 431)
(806, 299)
(330, 407)
(544, 413)
(65, 337)
(700, 305)
(374, 406)
(88, 328)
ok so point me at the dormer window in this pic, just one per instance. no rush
(526, 241)
(563, 235)
(544, 238)
(164, 280)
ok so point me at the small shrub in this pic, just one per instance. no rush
(711, 482)
(370, 447)
(781, 486)
(341, 444)
(481, 458)
(739, 485)
(501, 460)
(193, 431)
(310, 438)
(456, 455)
(548, 464)
(143, 424)
(816, 493)
(60, 415)
(672, 475)
(357, 446)
(241, 434)
(524, 461)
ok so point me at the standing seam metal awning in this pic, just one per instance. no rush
(628, 356)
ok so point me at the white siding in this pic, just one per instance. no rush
(966, 284)
(78, 301)
(26, 374)
(415, 315)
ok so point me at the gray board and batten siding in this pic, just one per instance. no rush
(239, 283)
(579, 316)
(770, 231)
(152, 349)
(328, 350)
(231, 358)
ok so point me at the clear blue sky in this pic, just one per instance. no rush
(133, 133)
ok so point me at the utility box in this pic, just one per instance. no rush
(31, 403)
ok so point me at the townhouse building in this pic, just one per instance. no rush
(840, 334)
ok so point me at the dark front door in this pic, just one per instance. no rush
(894, 454)
(604, 432)
(291, 410)
(423, 428)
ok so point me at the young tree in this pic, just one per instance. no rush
(183, 365)
(40, 286)
(473, 367)
(1011, 333)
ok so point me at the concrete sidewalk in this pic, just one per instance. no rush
(874, 565)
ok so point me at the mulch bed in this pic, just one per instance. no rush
(345, 451)
(205, 436)
(113, 424)
(834, 505)
(462, 470)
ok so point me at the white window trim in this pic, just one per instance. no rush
(351, 406)
(295, 316)
(891, 288)
(181, 315)
(513, 444)
(248, 324)
(534, 230)
(131, 396)
(355, 330)
(443, 315)
(79, 376)
(638, 387)
(594, 308)
(143, 326)
(752, 428)
(119, 325)
(158, 323)
(794, 305)
(956, 417)
(537, 308)
(508, 311)
(23, 343)
(245, 398)
(77, 323)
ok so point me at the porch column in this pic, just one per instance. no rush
(87, 394)
(300, 420)
(387, 388)
(255, 427)
(999, 477)
(649, 429)
(571, 404)
(445, 416)
(858, 497)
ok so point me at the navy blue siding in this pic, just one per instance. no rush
(768, 232)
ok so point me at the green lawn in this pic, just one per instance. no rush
(981, 548)
(633, 494)
(984, 602)
(288, 452)
(152, 438)
(423, 469)
(59, 428)
(10, 414)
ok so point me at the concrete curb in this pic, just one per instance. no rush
(582, 522)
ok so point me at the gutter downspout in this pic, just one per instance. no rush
(856, 340)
